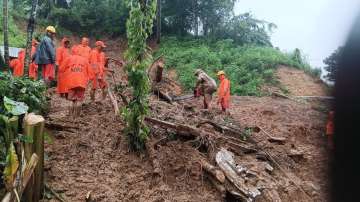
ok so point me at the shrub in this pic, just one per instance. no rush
(248, 67)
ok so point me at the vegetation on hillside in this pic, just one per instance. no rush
(332, 64)
(248, 67)
(16, 37)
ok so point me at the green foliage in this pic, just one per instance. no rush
(25, 90)
(15, 108)
(332, 64)
(248, 67)
(139, 27)
(17, 38)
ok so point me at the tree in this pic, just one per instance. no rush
(139, 27)
(30, 31)
(332, 63)
(6, 33)
(158, 21)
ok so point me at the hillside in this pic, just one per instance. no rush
(91, 153)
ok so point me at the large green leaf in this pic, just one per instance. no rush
(15, 108)
(12, 165)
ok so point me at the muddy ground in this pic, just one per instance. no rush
(91, 154)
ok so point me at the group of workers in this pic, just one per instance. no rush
(74, 67)
(77, 66)
(206, 86)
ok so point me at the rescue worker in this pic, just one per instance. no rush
(82, 49)
(97, 64)
(45, 56)
(62, 53)
(330, 129)
(76, 75)
(33, 67)
(17, 64)
(223, 91)
(205, 86)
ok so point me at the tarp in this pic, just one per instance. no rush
(13, 51)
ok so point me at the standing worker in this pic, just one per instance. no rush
(76, 74)
(205, 86)
(45, 56)
(82, 49)
(33, 67)
(97, 64)
(62, 53)
(223, 91)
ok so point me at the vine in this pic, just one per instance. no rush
(139, 27)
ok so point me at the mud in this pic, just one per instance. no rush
(96, 158)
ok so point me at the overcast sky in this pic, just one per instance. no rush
(317, 27)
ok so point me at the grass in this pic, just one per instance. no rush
(17, 38)
(248, 67)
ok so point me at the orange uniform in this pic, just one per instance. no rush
(62, 53)
(76, 73)
(33, 67)
(82, 49)
(15, 65)
(97, 62)
(224, 92)
(18, 64)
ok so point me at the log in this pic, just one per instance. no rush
(57, 196)
(184, 130)
(162, 95)
(216, 173)
(220, 187)
(272, 139)
(28, 172)
(35, 125)
(114, 102)
(226, 162)
(222, 128)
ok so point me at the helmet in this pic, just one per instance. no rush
(51, 29)
(100, 43)
(220, 73)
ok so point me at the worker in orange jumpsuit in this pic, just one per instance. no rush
(17, 64)
(33, 67)
(76, 75)
(330, 129)
(97, 63)
(62, 53)
(223, 91)
(82, 49)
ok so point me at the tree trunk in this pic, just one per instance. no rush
(30, 31)
(158, 22)
(6, 33)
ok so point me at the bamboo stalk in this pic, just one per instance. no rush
(34, 128)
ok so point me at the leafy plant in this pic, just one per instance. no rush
(139, 27)
(248, 67)
(12, 165)
(25, 90)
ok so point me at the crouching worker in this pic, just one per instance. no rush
(223, 91)
(205, 86)
(97, 63)
(76, 74)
